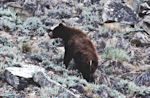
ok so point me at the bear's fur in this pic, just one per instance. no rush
(79, 47)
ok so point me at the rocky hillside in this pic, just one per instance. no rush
(31, 64)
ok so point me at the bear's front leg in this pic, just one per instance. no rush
(67, 58)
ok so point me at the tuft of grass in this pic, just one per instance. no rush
(52, 92)
(111, 92)
(130, 88)
(48, 92)
(115, 54)
(7, 95)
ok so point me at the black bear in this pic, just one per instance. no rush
(78, 47)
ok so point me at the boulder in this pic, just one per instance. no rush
(118, 12)
(19, 77)
(18, 83)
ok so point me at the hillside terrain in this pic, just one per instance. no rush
(119, 29)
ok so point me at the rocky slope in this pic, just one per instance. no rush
(120, 30)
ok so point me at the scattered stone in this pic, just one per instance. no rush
(144, 9)
(37, 58)
(143, 79)
(147, 57)
(78, 87)
(32, 95)
(145, 24)
(101, 45)
(144, 13)
(86, 16)
(142, 36)
(117, 12)
(44, 81)
(137, 43)
(140, 40)
(134, 4)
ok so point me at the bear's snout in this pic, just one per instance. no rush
(50, 34)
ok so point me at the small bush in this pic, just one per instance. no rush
(8, 95)
(115, 54)
(5, 41)
(34, 25)
(48, 92)
(9, 20)
(9, 57)
(130, 88)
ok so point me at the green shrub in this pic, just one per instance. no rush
(48, 92)
(115, 54)
(9, 20)
(8, 24)
(11, 55)
(130, 88)
(7, 95)
(111, 92)
(34, 25)
(90, 13)
(5, 41)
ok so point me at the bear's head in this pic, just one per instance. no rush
(57, 32)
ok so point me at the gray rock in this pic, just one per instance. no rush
(19, 77)
(144, 38)
(144, 13)
(43, 80)
(140, 40)
(15, 81)
(30, 6)
(115, 11)
(144, 9)
(30, 2)
(134, 4)
(147, 57)
(145, 24)
(143, 79)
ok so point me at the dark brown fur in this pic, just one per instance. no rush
(79, 47)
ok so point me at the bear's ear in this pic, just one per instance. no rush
(61, 25)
